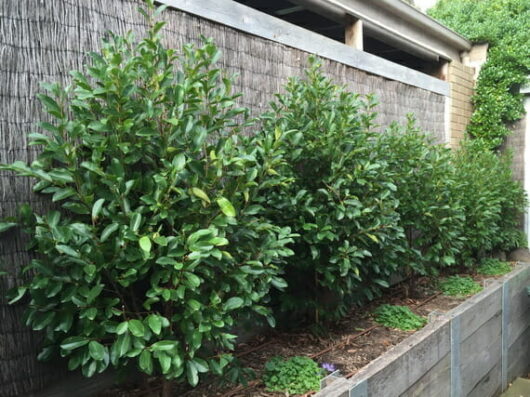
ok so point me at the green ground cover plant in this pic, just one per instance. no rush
(504, 25)
(295, 375)
(493, 267)
(398, 317)
(459, 286)
(159, 242)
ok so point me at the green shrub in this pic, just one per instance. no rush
(459, 286)
(336, 194)
(494, 267)
(429, 208)
(399, 317)
(296, 375)
(503, 24)
(160, 242)
(493, 203)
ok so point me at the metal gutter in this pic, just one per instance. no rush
(408, 12)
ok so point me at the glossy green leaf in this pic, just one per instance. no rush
(17, 294)
(146, 362)
(136, 327)
(96, 350)
(165, 362)
(155, 323)
(123, 344)
(122, 328)
(96, 208)
(74, 342)
(233, 303)
(226, 207)
(107, 232)
(200, 194)
(89, 369)
(193, 280)
(65, 249)
(164, 345)
(4, 226)
(179, 162)
(194, 305)
(135, 222)
(192, 374)
(145, 244)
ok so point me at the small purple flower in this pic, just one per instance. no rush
(329, 367)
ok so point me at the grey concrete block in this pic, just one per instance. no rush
(410, 360)
(489, 385)
(480, 352)
(478, 309)
(518, 279)
(339, 388)
(517, 325)
(519, 356)
(435, 383)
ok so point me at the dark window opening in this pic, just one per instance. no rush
(310, 20)
(401, 57)
(300, 16)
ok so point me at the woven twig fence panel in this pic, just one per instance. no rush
(41, 40)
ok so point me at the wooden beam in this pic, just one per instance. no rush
(353, 35)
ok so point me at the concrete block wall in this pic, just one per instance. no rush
(461, 79)
(475, 350)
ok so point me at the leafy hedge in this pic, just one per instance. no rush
(504, 25)
(169, 223)
(494, 203)
(160, 242)
(338, 195)
(430, 210)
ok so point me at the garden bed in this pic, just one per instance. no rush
(352, 344)
(476, 349)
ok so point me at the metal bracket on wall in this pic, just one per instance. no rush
(360, 389)
(329, 379)
(505, 333)
(456, 381)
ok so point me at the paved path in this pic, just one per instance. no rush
(519, 388)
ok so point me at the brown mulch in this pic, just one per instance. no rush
(353, 352)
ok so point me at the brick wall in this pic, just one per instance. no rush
(462, 84)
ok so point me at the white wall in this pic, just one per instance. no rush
(424, 5)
